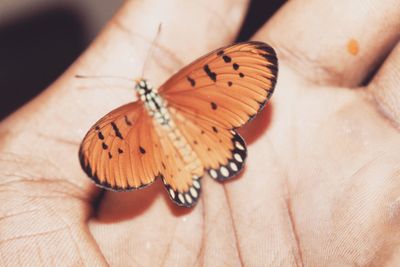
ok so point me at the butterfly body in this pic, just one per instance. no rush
(184, 128)
(158, 110)
(155, 105)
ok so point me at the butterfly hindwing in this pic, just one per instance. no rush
(234, 163)
(221, 151)
(188, 197)
(182, 169)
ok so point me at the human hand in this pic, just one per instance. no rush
(321, 180)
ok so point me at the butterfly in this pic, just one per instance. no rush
(184, 128)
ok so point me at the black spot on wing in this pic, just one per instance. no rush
(192, 82)
(104, 145)
(214, 106)
(127, 121)
(116, 130)
(226, 59)
(210, 74)
(220, 53)
(100, 135)
(104, 184)
(142, 150)
(235, 66)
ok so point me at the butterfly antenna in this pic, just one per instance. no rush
(103, 76)
(151, 50)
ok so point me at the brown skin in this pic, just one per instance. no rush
(322, 182)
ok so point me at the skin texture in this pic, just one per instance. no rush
(321, 186)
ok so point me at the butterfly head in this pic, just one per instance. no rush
(142, 87)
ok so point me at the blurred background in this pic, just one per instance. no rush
(39, 39)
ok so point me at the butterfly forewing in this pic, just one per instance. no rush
(182, 170)
(228, 86)
(127, 149)
(122, 151)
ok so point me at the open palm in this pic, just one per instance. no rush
(321, 186)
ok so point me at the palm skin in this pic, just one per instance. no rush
(320, 183)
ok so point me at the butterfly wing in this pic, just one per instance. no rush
(127, 150)
(227, 86)
(122, 151)
(221, 151)
(218, 93)
(182, 169)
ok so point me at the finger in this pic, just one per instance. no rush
(188, 30)
(334, 42)
(385, 87)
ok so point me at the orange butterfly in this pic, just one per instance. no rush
(184, 128)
